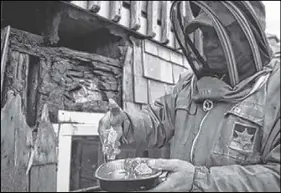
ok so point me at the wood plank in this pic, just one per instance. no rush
(63, 173)
(79, 129)
(158, 69)
(151, 47)
(165, 22)
(143, 26)
(115, 10)
(164, 53)
(140, 90)
(94, 6)
(127, 84)
(46, 141)
(152, 10)
(135, 15)
(25, 78)
(157, 89)
(176, 58)
(8, 144)
(79, 117)
(140, 83)
(177, 70)
(15, 136)
(4, 51)
(104, 9)
(45, 155)
(126, 17)
(43, 178)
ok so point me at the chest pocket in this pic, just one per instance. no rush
(239, 139)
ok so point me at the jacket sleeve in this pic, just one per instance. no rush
(154, 125)
(263, 177)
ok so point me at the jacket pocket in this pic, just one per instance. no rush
(239, 139)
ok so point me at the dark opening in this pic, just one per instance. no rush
(32, 90)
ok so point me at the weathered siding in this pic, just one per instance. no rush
(63, 78)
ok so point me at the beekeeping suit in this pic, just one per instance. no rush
(223, 118)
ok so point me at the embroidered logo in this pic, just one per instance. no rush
(243, 137)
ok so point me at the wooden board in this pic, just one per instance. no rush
(115, 10)
(4, 51)
(15, 134)
(158, 69)
(165, 22)
(78, 117)
(135, 15)
(127, 84)
(140, 83)
(43, 178)
(152, 18)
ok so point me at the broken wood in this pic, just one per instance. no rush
(4, 52)
(43, 175)
(16, 139)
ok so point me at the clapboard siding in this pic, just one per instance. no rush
(150, 18)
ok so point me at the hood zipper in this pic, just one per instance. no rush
(207, 106)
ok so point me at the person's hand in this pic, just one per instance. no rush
(110, 129)
(180, 178)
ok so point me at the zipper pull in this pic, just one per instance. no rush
(207, 105)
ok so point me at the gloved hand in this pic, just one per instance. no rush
(111, 131)
(180, 178)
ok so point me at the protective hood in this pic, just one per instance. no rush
(219, 14)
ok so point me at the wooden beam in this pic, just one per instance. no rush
(165, 22)
(79, 117)
(4, 52)
(140, 83)
(68, 129)
(152, 18)
(94, 6)
(115, 10)
(63, 176)
(135, 15)
(127, 84)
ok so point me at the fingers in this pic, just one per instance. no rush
(172, 165)
(166, 186)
